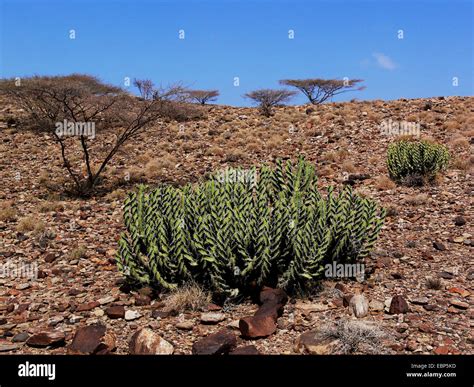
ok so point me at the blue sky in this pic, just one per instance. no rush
(248, 40)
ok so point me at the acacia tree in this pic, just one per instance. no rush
(203, 96)
(268, 98)
(319, 90)
(51, 103)
(145, 87)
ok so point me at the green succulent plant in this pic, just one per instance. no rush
(232, 234)
(419, 161)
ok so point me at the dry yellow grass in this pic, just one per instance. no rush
(460, 143)
(417, 200)
(348, 166)
(7, 211)
(384, 183)
(49, 206)
(189, 297)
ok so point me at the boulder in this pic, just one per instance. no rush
(147, 342)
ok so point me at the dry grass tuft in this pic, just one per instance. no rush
(189, 297)
(78, 253)
(384, 183)
(26, 224)
(7, 212)
(417, 200)
(355, 337)
(434, 283)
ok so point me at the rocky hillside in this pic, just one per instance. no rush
(419, 279)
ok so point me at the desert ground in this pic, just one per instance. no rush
(424, 253)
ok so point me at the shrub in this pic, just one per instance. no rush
(72, 108)
(234, 231)
(416, 162)
(267, 99)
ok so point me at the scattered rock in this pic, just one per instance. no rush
(376, 306)
(92, 339)
(20, 337)
(462, 292)
(22, 286)
(459, 221)
(314, 344)
(142, 300)
(115, 312)
(419, 300)
(46, 339)
(245, 350)
(359, 305)
(106, 300)
(87, 306)
(446, 275)
(221, 342)
(398, 305)
(131, 315)
(6, 346)
(459, 304)
(439, 246)
(185, 325)
(161, 313)
(212, 317)
(257, 326)
(49, 257)
(146, 342)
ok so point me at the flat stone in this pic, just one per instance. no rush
(131, 315)
(459, 304)
(462, 292)
(419, 300)
(221, 342)
(106, 300)
(312, 343)
(115, 312)
(46, 338)
(6, 346)
(146, 342)
(246, 350)
(185, 325)
(20, 337)
(92, 339)
(212, 317)
(87, 306)
(376, 306)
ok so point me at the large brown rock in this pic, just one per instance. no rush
(92, 339)
(264, 322)
(257, 326)
(46, 339)
(114, 312)
(147, 342)
(221, 342)
(276, 296)
(398, 305)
